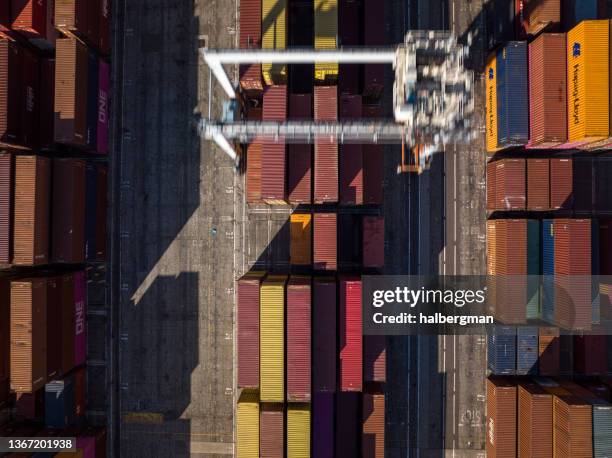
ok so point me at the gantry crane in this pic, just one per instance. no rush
(432, 98)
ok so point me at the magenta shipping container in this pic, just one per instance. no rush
(299, 170)
(323, 425)
(325, 242)
(248, 329)
(103, 98)
(350, 334)
(324, 335)
(80, 314)
(374, 241)
(298, 338)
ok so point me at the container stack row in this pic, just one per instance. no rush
(302, 357)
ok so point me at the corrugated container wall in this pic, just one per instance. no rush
(272, 339)
(298, 338)
(324, 335)
(301, 239)
(538, 184)
(512, 95)
(373, 159)
(573, 427)
(374, 241)
(30, 98)
(103, 106)
(54, 327)
(373, 434)
(501, 419)
(253, 173)
(47, 102)
(325, 242)
(273, 158)
(80, 317)
(271, 430)
(72, 15)
(501, 350)
(510, 184)
(527, 350)
(250, 38)
(561, 184)
(5, 339)
(351, 156)
(547, 91)
(326, 37)
(298, 430)
(10, 92)
(326, 150)
(348, 424)
(491, 104)
(6, 207)
(548, 351)
(533, 16)
(374, 35)
(248, 329)
(247, 425)
(299, 170)
(535, 426)
(274, 36)
(351, 347)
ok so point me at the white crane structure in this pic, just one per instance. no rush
(432, 95)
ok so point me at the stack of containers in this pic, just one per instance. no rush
(325, 37)
(273, 160)
(535, 429)
(326, 149)
(274, 36)
(299, 162)
(501, 418)
(351, 156)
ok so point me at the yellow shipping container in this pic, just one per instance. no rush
(301, 239)
(491, 103)
(247, 425)
(298, 431)
(274, 36)
(588, 81)
(272, 339)
(326, 36)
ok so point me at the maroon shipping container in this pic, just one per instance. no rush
(374, 241)
(501, 418)
(31, 215)
(30, 98)
(33, 19)
(533, 16)
(250, 38)
(10, 92)
(28, 334)
(573, 427)
(491, 196)
(71, 92)
(348, 424)
(68, 243)
(373, 438)
(271, 430)
(68, 322)
(47, 97)
(298, 338)
(351, 348)
(538, 184)
(349, 23)
(374, 359)
(6, 207)
(5, 15)
(349, 79)
(510, 184)
(548, 90)
(561, 184)
(299, 173)
(325, 241)
(605, 248)
(374, 35)
(351, 156)
(248, 330)
(92, 27)
(535, 426)
(71, 15)
(326, 149)
(104, 44)
(590, 354)
(30, 406)
(548, 351)
(324, 334)
(253, 175)
(273, 152)
(54, 327)
(5, 341)
(101, 208)
(373, 161)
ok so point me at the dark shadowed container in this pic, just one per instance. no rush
(5, 340)
(68, 322)
(350, 245)
(590, 354)
(326, 149)
(80, 395)
(351, 156)
(548, 91)
(47, 97)
(28, 334)
(535, 428)
(351, 347)
(10, 92)
(31, 216)
(374, 35)
(92, 25)
(325, 242)
(54, 327)
(348, 424)
(324, 335)
(271, 430)
(30, 98)
(527, 350)
(510, 184)
(299, 173)
(374, 359)
(349, 23)
(91, 178)
(253, 174)
(323, 424)
(101, 207)
(273, 158)
(374, 241)
(104, 45)
(538, 184)
(6, 207)
(373, 438)
(349, 80)
(30, 406)
(298, 338)
(60, 402)
(561, 184)
(68, 242)
(491, 196)
(248, 329)
(103, 101)
(373, 160)
(501, 418)
(582, 177)
(250, 38)
(80, 317)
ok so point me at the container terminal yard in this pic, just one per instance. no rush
(184, 244)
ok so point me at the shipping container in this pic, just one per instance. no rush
(548, 351)
(573, 428)
(272, 339)
(298, 338)
(350, 243)
(6, 207)
(501, 418)
(501, 350)
(324, 244)
(54, 327)
(299, 169)
(248, 329)
(510, 184)
(273, 160)
(271, 431)
(348, 424)
(590, 354)
(527, 350)
(274, 36)
(31, 215)
(101, 198)
(561, 184)
(34, 19)
(326, 37)
(10, 92)
(373, 160)
(80, 394)
(104, 44)
(301, 35)
(491, 104)
(326, 149)
(373, 434)
(5, 339)
(30, 98)
(298, 430)
(374, 35)
(80, 318)
(71, 92)
(535, 426)
(575, 11)
(91, 177)
(247, 425)
(500, 19)
(534, 16)
(538, 184)
(28, 335)
(68, 322)
(588, 78)
(253, 173)
(301, 239)
(71, 15)
(324, 358)
(351, 347)
(323, 425)
(491, 176)
(68, 210)
(103, 106)
(547, 90)
(250, 38)
(60, 406)
(582, 171)
(30, 406)
(374, 241)
(602, 185)
(351, 156)
(47, 102)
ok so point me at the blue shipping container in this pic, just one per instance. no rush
(512, 95)
(548, 270)
(534, 268)
(501, 350)
(91, 202)
(60, 403)
(527, 350)
(602, 429)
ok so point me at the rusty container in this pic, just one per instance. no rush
(6, 207)
(326, 149)
(501, 418)
(273, 156)
(538, 184)
(510, 184)
(325, 242)
(248, 329)
(535, 430)
(573, 427)
(253, 173)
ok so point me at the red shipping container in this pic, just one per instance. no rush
(68, 210)
(501, 418)
(5, 15)
(6, 207)
(68, 322)
(548, 351)
(326, 149)
(491, 196)
(10, 92)
(374, 241)
(374, 359)
(590, 354)
(299, 173)
(548, 90)
(248, 329)
(32, 18)
(93, 22)
(298, 338)
(324, 334)
(350, 371)
(535, 426)
(273, 152)
(47, 102)
(325, 241)
(561, 184)
(538, 184)
(250, 38)
(348, 424)
(373, 439)
(253, 175)
(510, 184)
(533, 16)
(101, 207)
(271, 430)
(54, 327)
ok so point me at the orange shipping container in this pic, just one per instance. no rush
(535, 434)
(501, 419)
(373, 439)
(301, 239)
(573, 428)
